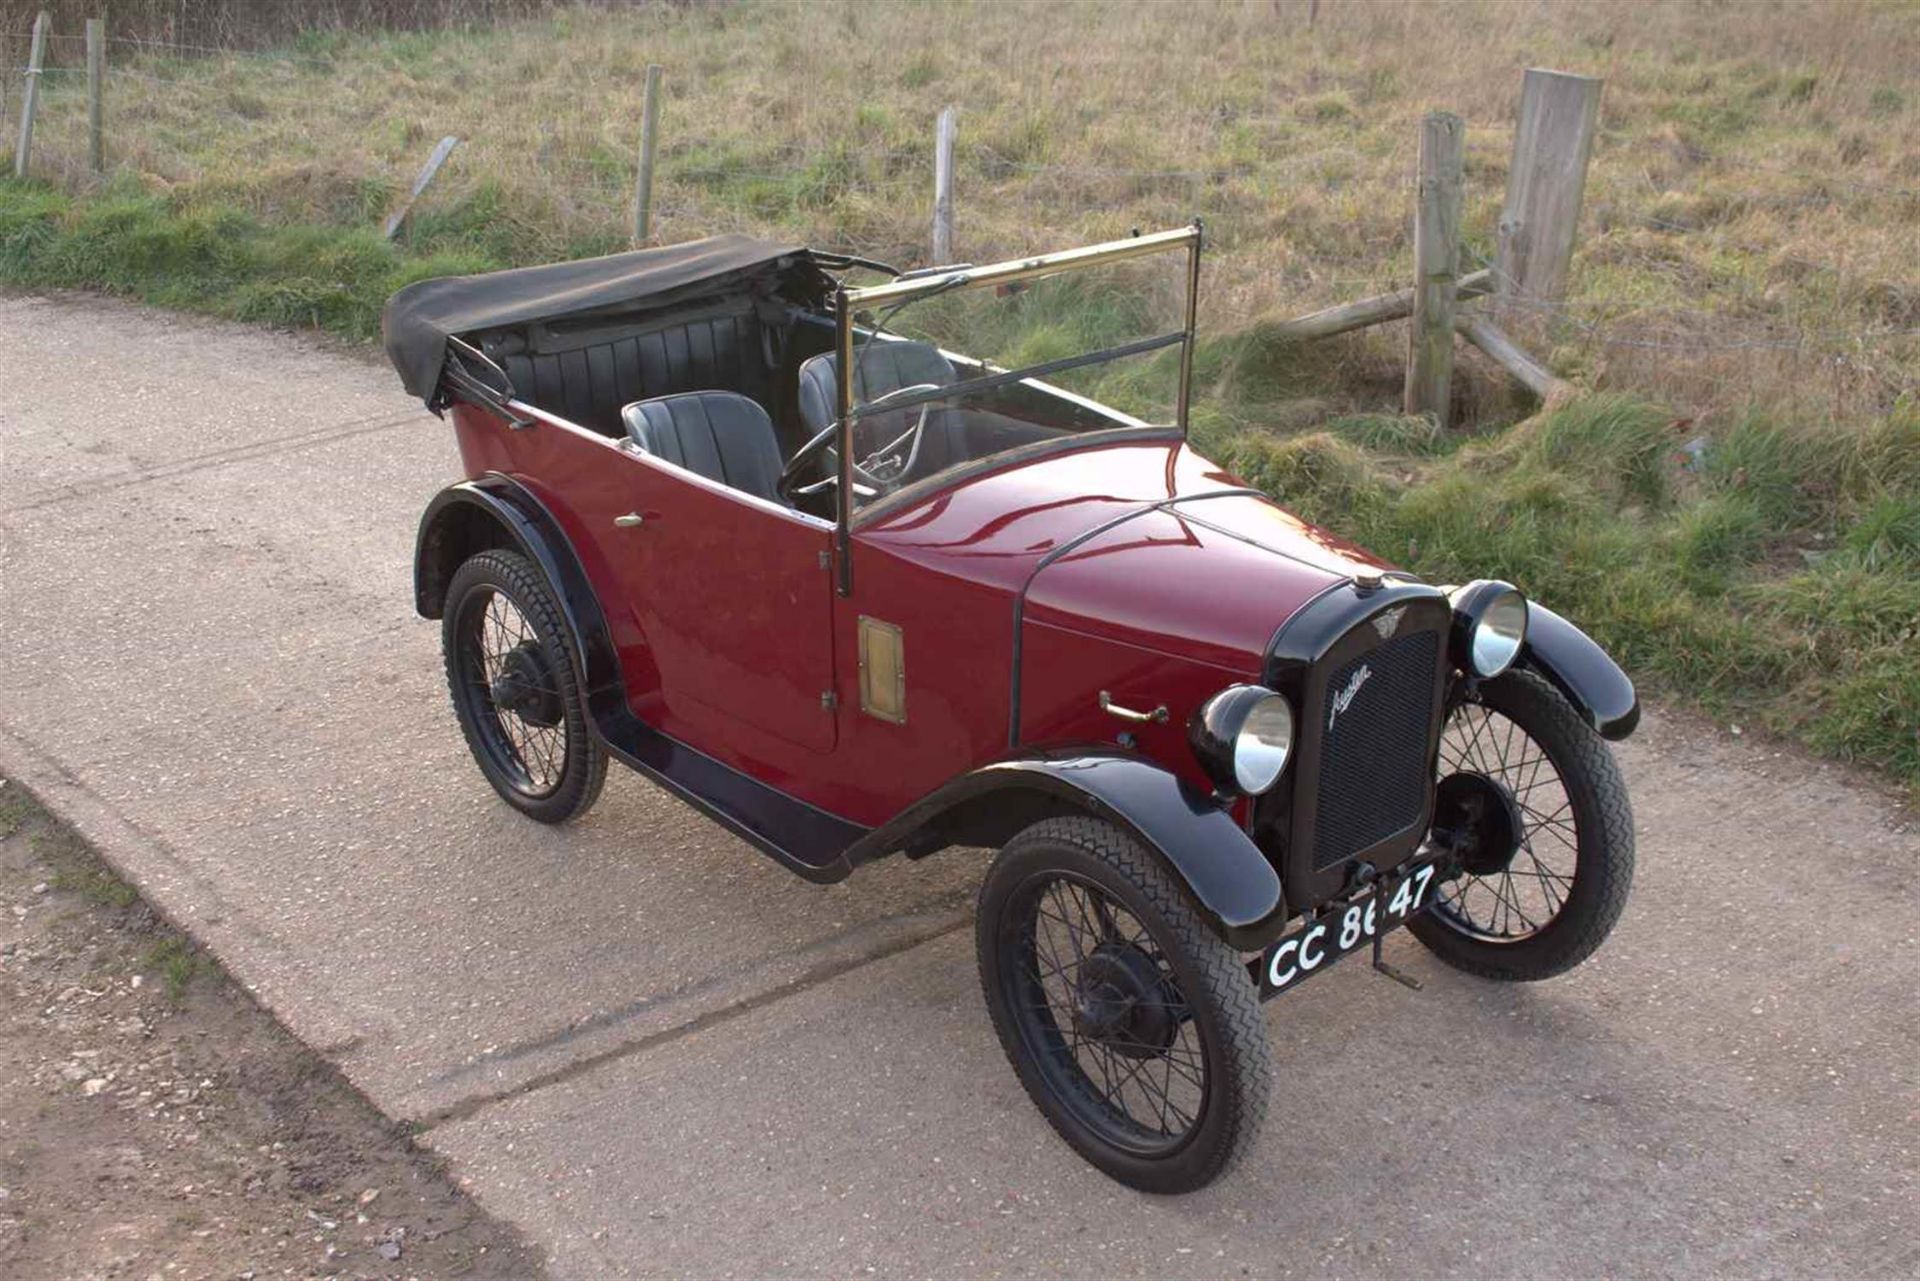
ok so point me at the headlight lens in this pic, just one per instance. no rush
(1499, 633)
(1243, 736)
(1261, 748)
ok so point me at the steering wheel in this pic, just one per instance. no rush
(888, 464)
(880, 472)
(804, 457)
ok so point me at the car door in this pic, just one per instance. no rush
(733, 597)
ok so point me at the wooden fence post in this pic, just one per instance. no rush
(649, 143)
(24, 146)
(432, 167)
(96, 87)
(1436, 255)
(1558, 115)
(943, 188)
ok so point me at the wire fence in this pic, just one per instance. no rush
(1292, 230)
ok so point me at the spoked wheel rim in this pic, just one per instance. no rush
(1099, 1009)
(508, 683)
(1507, 787)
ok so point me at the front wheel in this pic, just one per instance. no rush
(1549, 835)
(1133, 1027)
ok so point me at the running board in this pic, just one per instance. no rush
(804, 839)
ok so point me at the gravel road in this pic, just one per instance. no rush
(657, 1054)
(154, 1121)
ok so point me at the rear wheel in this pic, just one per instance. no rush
(1549, 858)
(1133, 1027)
(509, 668)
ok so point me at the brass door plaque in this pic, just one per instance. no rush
(883, 671)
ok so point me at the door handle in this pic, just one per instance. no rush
(632, 520)
(1158, 715)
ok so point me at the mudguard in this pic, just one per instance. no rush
(1582, 671)
(497, 511)
(1231, 882)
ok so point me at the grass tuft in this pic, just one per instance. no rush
(216, 259)
(177, 962)
(93, 882)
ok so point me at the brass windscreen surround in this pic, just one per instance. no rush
(1002, 273)
(928, 283)
(883, 671)
(846, 302)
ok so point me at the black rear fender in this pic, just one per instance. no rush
(498, 512)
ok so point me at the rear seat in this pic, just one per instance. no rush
(586, 371)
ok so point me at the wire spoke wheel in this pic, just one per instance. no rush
(507, 651)
(1132, 1025)
(1528, 888)
(509, 682)
(1533, 803)
(1099, 1003)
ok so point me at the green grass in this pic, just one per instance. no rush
(14, 811)
(177, 962)
(215, 259)
(76, 869)
(90, 880)
(1746, 258)
(1779, 583)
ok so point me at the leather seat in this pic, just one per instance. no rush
(878, 368)
(883, 367)
(588, 378)
(719, 434)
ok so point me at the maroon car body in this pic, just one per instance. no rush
(853, 595)
(728, 631)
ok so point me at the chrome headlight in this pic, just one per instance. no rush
(1243, 737)
(1489, 626)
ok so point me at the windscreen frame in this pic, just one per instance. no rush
(896, 293)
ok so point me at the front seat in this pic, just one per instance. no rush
(719, 434)
(878, 368)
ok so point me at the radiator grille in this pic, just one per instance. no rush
(1373, 759)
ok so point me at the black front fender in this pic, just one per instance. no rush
(1582, 671)
(1229, 879)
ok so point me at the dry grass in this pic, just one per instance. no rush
(1751, 214)
(1747, 255)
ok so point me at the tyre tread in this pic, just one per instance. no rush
(586, 770)
(1248, 1054)
(1586, 763)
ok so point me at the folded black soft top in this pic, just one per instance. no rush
(420, 318)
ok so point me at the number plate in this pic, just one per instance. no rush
(1348, 927)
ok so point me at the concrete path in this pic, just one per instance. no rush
(661, 1055)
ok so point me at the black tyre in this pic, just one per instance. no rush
(507, 650)
(1132, 1025)
(1539, 900)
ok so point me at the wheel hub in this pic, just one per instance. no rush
(1480, 820)
(1123, 1001)
(525, 686)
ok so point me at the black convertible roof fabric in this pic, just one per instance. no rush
(420, 318)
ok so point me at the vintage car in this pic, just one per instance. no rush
(853, 593)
